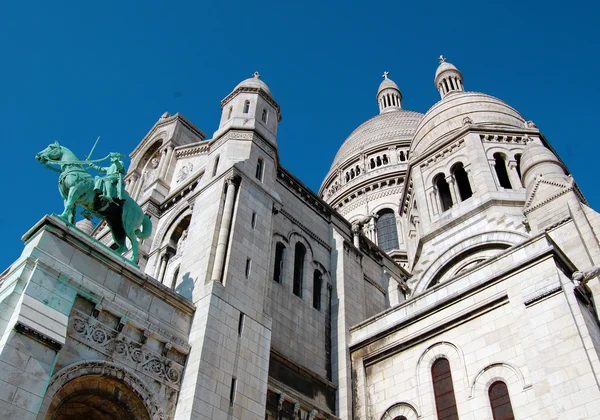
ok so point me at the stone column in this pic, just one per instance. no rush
(434, 198)
(138, 187)
(513, 175)
(165, 162)
(453, 192)
(163, 266)
(159, 267)
(224, 230)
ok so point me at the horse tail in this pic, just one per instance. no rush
(146, 228)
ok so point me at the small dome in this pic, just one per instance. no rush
(387, 126)
(386, 84)
(537, 159)
(445, 66)
(85, 226)
(254, 82)
(448, 115)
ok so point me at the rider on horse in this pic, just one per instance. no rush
(112, 183)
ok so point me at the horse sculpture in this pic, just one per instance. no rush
(123, 216)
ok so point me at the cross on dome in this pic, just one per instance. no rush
(385, 74)
(442, 59)
(256, 75)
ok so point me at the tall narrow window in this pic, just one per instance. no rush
(317, 281)
(215, 166)
(259, 169)
(443, 390)
(264, 116)
(385, 159)
(230, 110)
(372, 164)
(500, 401)
(387, 231)
(253, 220)
(246, 107)
(278, 270)
(378, 161)
(299, 255)
(232, 391)
(518, 159)
(248, 267)
(443, 190)
(241, 324)
(174, 281)
(462, 181)
(500, 166)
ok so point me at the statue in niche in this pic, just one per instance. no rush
(181, 241)
(152, 171)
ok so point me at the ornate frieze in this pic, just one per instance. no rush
(444, 153)
(98, 336)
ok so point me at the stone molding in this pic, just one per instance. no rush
(505, 372)
(542, 296)
(111, 343)
(306, 230)
(38, 336)
(443, 153)
(304, 193)
(108, 369)
(374, 284)
(187, 151)
(405, 409)
(528, 208)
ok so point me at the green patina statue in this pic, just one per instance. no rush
(105, 197)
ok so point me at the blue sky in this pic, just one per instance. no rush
(73, 71)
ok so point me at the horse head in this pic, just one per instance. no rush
(52, 152)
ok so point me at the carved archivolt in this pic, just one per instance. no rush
(105, 369)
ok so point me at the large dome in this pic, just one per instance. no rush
(449, 115)
(396, 125)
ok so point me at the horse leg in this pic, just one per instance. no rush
(68, 214)
(130, 224)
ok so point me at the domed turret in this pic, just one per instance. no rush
(251, 106)
(448, 79)
(539, 160)
(85, 226)
(389, 96)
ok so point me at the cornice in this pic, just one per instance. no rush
(258, 91)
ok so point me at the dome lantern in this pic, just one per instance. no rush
(389, 97)
(447, 78)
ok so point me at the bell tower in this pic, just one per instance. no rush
(250, 106)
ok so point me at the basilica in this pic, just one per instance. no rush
(446, 268)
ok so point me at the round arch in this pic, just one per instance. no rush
(501, 239)
(402, 409)
(98, 390)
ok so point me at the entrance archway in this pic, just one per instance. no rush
(94, 397)
(97, 390)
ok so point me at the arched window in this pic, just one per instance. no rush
(387, 232)
(372, 164)
(246, 107)
(378, 161)
(299, 254)
(500, 166)
(317, 283)
(399, 418)
(518, 159)
(385, 159)
(462, 181)
(259, 169)
(264, 116)
(402, 157)
(347, 177)
(443, 190)
(443, 390)
(357, 170)
(351, 173)
(278, 269)
(174, 281)
(500, 401)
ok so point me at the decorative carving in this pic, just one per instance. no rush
(580, 278)
(530, 124)
(184, 172)
(467, 121)
(108, 369)
(109, 342)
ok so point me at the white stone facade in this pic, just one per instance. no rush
(451, 235)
